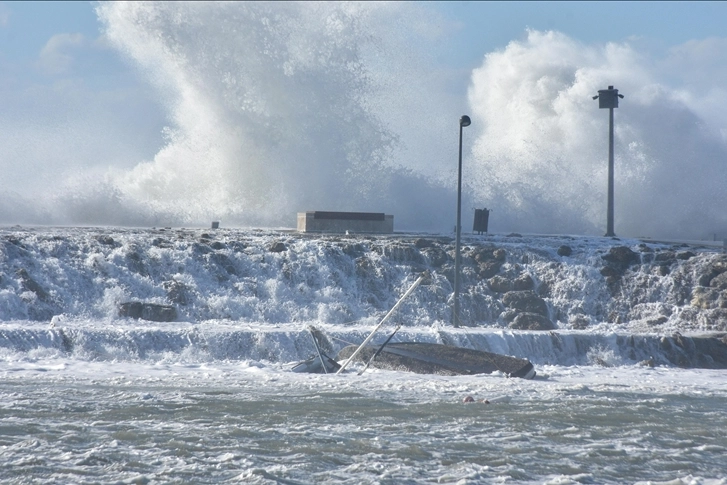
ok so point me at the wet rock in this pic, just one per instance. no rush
(525, 301)
(436, 256)
(484, 254)
(545, 289)
(365, 267)
(523, 282)
(618, 259)
(719, 282)
(29, 284)
(218, 245)
(714, 269)
(531, 321)
(353, 250)
(161, 243)
(15, 242)
(622, 256)
(277, 247)
(224, 262)
(201, 248)
(404, 253)
(177, 292)
(488, 269)
(509, 315)
(708, 298)
(611, 271)
(237, 246)
(135, 262)
(579, 322)
(685, 255)
(423, 243)
(565, 251)
(657, 321)
(148, 311)
(500, 284)
(105, 240)
(661, 270)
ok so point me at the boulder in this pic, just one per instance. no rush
(106, 240)
(277, 247)
(523, 282)
(685, 255)
(29, 284)
(148, 311)
(436, 256)
(622, 256)
(488, 269)
(708, 298)
(484, 254)
(421, 243)
(177, 292)
(719, 282)
(223, 261)
(500, 284)
(618, 259)
(525, 301)
(565, 251)
(714, 269)
(531, 321)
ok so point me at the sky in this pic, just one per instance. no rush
(177, 114)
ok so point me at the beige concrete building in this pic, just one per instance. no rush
(342, 222)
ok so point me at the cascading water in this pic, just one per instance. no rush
(231, 294)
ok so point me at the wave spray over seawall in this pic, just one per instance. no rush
(276, 108)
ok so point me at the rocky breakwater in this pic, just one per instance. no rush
(520, 282)
(549, 283)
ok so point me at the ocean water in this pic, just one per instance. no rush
(87, 396)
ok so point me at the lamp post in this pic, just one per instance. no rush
(608, 98)
(463, 121)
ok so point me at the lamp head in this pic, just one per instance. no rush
(465, 121)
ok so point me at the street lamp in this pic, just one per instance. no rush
(608, 98)
(463, 121)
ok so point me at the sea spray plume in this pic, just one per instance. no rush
(263, 99)
(273, 108)
(542, 149)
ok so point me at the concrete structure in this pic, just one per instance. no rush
(353, 222)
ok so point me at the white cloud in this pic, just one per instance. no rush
(542, 141)
(55, 57)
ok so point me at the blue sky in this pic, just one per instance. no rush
(25, 27)
(78, 107)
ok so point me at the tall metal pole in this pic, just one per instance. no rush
(608, 98)
(463, 121)
(609, 215)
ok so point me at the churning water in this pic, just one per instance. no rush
(87, 396)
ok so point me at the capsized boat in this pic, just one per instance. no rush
(418, 357)
(432, 358)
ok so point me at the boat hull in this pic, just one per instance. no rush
(428, 358)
